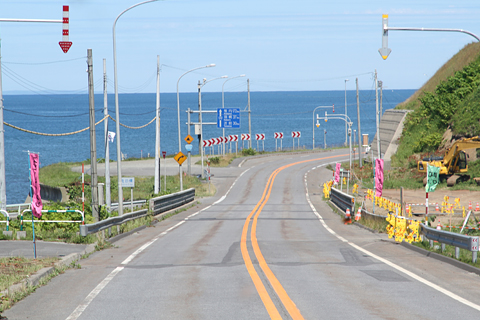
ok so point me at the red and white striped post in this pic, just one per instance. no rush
(65, 44)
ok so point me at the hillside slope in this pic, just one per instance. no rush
(448, 112)
(463, 58)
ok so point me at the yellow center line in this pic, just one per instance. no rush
(280, 291)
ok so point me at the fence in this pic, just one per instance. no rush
(5, 213)
(52, 221)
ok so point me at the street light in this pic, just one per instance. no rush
(178, 114)
(117, 112)
(205, 81)
(347, 120)
(223, 106)
(318, 124)
(346, 110)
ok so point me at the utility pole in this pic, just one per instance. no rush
(249, 116)
(359, 131)
(108, 199)
(93, 144)
(157, 186)
(377, 116)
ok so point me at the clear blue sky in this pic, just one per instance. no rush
(279, 45)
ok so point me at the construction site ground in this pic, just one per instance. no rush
(418, 197)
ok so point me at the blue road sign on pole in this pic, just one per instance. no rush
(228, 118)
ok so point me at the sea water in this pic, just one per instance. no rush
(271, 112)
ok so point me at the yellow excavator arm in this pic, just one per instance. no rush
(454, 161)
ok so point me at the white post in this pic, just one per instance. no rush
(107, 143)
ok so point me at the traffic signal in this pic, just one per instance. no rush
(384, 50)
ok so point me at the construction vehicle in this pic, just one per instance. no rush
(453, 166)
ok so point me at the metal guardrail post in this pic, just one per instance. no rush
(459, 241)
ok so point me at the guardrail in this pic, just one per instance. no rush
(156, 206)
(342, 200)
(114, 206)
(171, 201)
(459, 241)
(110, 222)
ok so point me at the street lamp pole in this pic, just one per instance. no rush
(346, 110)
(117, 112)
(178, 114)
(223, 106)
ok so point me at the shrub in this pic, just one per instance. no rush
(248, 152)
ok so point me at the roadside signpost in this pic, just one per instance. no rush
(129, 183)
(228, 118)
(260, 136)
(296, 134)
(180, 158)
(278, 135)
(245, 137)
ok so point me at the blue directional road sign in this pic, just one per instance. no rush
(228, 118)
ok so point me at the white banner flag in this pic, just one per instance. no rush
(111, 136)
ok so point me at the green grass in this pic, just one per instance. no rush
(15, 269)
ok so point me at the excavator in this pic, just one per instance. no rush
(453, 165)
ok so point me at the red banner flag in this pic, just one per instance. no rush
(36, 199)
(337, 172)
(378, 177)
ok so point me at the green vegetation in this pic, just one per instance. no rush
(439, 118)
(248, 152)
(15, 269)
(464, 57)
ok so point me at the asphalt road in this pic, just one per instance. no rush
(266, 246)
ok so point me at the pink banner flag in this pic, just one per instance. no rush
(36, 199)
(337, 173)
(378, 177)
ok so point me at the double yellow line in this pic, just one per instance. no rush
(262, 291)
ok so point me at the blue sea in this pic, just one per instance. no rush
(270, 112)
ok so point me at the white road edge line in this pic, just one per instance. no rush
(385, 261)
(79, 310)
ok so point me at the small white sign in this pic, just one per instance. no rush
(128, 182)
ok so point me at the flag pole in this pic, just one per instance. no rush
(31, 200)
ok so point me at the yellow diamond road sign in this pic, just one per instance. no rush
(180, 157)
(189, 139)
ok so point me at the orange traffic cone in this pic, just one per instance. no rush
(436, 207)
(358, 215)
(470, 205)
(348, 217)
